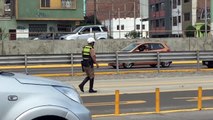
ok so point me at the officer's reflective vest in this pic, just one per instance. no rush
(86, 52)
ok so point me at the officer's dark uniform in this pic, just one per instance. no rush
(88, 67)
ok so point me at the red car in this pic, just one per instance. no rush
(137, 47)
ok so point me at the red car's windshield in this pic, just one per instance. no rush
(130, 47)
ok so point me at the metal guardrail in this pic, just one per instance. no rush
(118, 57)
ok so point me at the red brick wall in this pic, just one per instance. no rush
(109, 8)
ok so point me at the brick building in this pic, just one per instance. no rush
(108, 9)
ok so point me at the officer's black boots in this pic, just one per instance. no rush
(81, 86)
(91, 90)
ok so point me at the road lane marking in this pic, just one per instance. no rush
(193, 99)
(75, 65)
(113, 103)
(128, 84)
(122, 72)
(148, 113)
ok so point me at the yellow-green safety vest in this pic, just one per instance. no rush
(86, 52)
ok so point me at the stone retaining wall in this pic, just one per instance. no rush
(102, 46)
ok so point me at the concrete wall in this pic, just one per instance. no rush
(102, 46)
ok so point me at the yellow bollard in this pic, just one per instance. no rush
(117, 102)
(157, 99)
(199, 98)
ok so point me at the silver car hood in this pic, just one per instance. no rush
(28, 79)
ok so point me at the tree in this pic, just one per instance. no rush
(190, 31)
(89, 20)
(202, 29)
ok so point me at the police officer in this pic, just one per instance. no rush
(89, 58)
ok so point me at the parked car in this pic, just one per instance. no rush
(84, 32)
(48, 36)
(208, 63)
(25, 97)
(138, 47)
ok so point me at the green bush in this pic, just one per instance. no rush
(202, 29)
(190, 31)
(132, 34)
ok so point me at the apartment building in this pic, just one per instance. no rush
(177, 18)
(39, 16)
(194, 12)
(179, 14)
(160, 18)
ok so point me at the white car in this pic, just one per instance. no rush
(25, 97)
(83, 32)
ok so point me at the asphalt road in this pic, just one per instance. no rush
(137, 94)
(196, 115)
(65, 69)
(139, 89)
(145, 102)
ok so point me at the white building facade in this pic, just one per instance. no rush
(177, 17)
(120, 27)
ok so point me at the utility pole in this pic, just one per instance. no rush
(110, 24)
(211, 14)
(95, 12)
(119, 22)
(206, 20)
(134, 17)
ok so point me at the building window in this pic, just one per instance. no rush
(153, 8)
(58, 4)
(37, 29)
(157, 23)
(174, 4)
(118, 27)
(45, 3)
(64, 28)
(179, 2)
(175, 21)
(122, 27)
(185, 1)
(186, 16)
(143, 27)
(138, 27)
(162, 22)
(179, 19)
(157, 7)
(66, 3)
(162, 6)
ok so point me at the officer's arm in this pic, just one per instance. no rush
(92, 53)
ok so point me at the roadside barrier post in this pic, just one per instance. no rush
(117, 62)
(71, 55)
(198, 60)
(25, 64)
(117, 102)
(158, 60)
(157, 99)
(199, 99)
